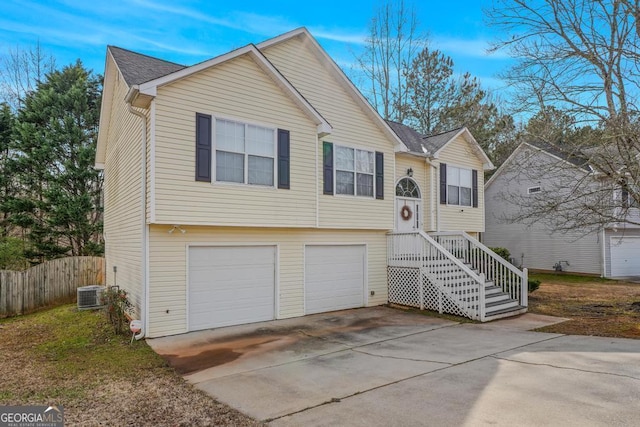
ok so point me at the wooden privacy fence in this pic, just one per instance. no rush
(46, 283)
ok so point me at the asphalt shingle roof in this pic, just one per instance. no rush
(138, 68)
(419, 143)
(574, 157)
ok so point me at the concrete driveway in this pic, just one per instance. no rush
(386, 367)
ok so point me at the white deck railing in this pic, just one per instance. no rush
(422, 273)
(482, 259)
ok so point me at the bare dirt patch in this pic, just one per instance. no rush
(70, 358)
(595, 306)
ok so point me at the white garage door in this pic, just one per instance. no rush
(625, 256)
(334, 277)
(231, 285)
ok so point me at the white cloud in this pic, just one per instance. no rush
(338, 36)
(476, 48)
(188, 13)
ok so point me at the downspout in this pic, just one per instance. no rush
(603, 253)
(143, 270)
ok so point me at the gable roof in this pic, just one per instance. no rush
(432, 145)
(144, 74)
(410, 137)
(576, 159)
(342, 79)
(137, 68)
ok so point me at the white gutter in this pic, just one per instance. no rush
(143, 270)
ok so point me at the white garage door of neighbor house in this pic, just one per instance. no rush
(625, 256)
(231, 285)
(334, 277)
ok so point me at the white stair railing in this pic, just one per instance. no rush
(482, 259)
(424, 274)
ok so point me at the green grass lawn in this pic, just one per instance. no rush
(72, 358)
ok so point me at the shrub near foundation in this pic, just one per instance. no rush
(117, 306)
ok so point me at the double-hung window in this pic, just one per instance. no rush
(459, 186)
(244, 153)
(355, 170)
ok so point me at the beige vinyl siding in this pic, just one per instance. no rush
(459, 153)
(149, 114)
(352, 127)
(123, 197)
(237, 90)
(168, 267)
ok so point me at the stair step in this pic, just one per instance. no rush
(491, 289)
(497, 297)
(507, 312)
(500, 305)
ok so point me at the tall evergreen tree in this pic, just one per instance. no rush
(56, 133)
(438, 102)
(7, 184)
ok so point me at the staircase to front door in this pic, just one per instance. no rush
(453, 273)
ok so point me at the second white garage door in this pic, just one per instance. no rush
(334, 277)
(625, 256)
(231, 285)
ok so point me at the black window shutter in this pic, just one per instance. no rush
(379, 175)
(327, 167)
(474, 188)
(443, 183)
(283, 159)
(203, 147)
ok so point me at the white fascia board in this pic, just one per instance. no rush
(150, 88)
(105, 109)
(342, 78)
(504, 165)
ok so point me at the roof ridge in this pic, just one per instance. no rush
(110, 46)
(443, 132)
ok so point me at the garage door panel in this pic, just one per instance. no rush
(334, 277)
(231, 285)
(625, 256)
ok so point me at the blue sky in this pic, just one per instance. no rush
(190, 31)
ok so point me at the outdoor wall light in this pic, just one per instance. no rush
(177, 227)
(410, 172)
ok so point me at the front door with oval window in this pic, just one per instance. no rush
(408, 205)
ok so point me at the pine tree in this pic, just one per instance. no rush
(56, 132)
(6, 175)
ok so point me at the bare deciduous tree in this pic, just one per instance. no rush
(392, 43)
(21, 70)
(582, 58)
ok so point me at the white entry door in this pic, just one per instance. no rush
(408, 215)
(408, 205)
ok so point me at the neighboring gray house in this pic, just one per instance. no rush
(613, 251)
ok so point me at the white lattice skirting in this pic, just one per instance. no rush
(404, 289)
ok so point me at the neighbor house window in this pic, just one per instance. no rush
(244, 153)
(534, 190)
(355, 170)
(459, 186)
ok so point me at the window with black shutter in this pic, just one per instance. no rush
(203, 147)
(283, 159)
